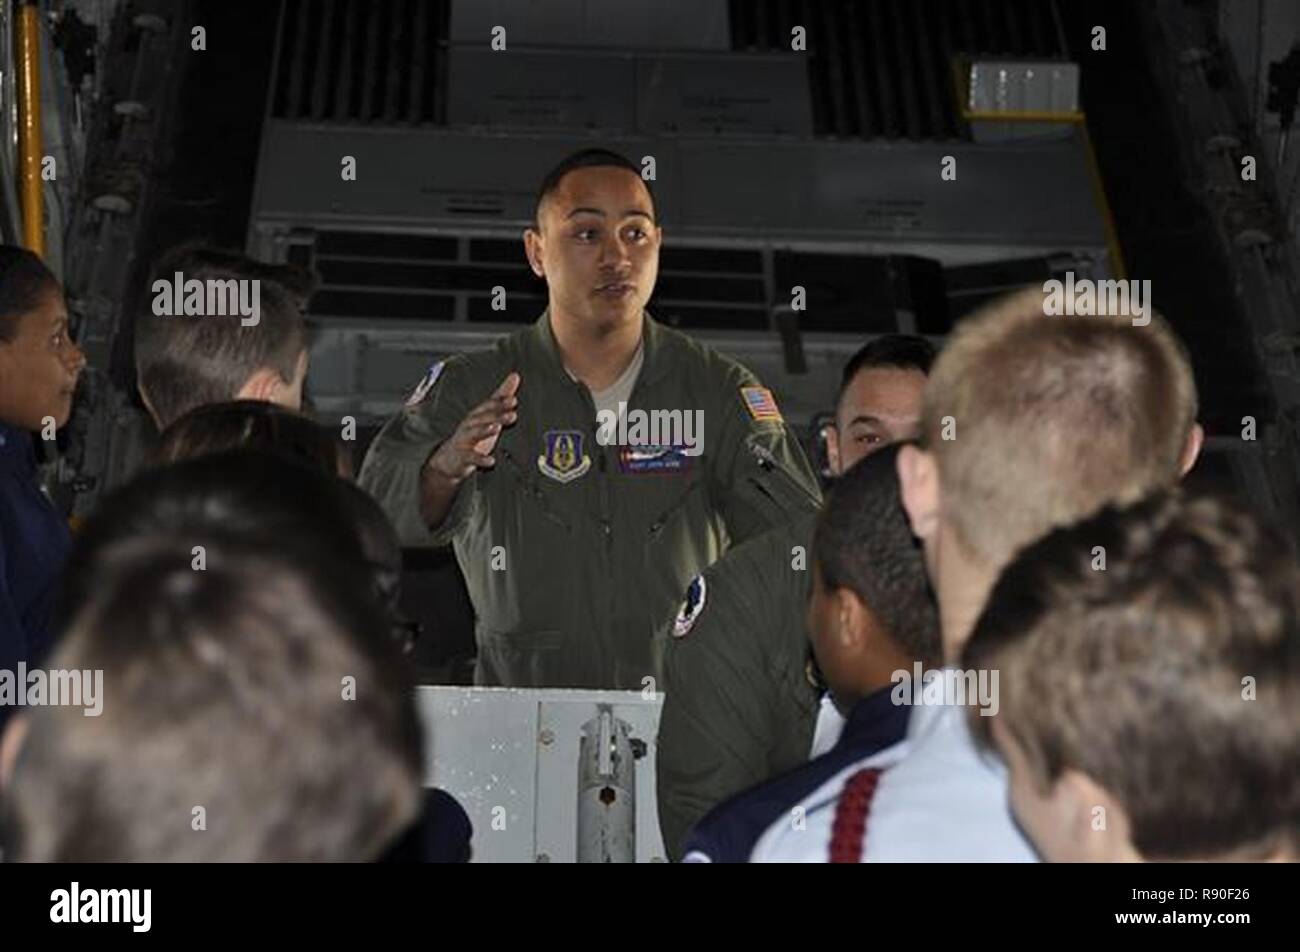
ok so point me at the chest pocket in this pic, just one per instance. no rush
(660, 485)
(521, 479)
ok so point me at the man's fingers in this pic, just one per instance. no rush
(486, 421)
(490, 414)
(508, 386)
(493, 406)
(476, 434)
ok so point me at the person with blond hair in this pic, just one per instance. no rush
(1029, 422)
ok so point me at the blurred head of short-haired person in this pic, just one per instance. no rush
(185, 361)
(1033, 421)
(39, 363)
(265, 428)
(274, 500)
(1150, 704)
(880, 398)
(870, 612)
(252, 425)
(224, 690)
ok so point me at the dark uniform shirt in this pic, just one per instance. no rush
(34, 544)
(728, 833)
(575, 553)
(739, 706)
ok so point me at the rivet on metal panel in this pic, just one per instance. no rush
(547, 736)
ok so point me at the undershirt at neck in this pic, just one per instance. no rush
(619, 391)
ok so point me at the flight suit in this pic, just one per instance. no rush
(573, 552)
(739, 703)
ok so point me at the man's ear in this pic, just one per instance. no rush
(847, 608)
(533, 249)
(144, 398)
(833, 448)
(1192, 448)
(264, 384)
(1096, 820)
(918, 483)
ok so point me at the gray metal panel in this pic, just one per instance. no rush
(511, 755)
(751, 94)
(539, 89)
(1013, 200)
(663, 24)
(755, 94)
(1002, 85)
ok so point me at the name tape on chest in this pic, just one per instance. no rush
(653, 459)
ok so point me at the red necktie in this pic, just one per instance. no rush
(849, 828)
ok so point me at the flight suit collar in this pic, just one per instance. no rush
(655, 362)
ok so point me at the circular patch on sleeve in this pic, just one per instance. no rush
(426, 384)
(691, 607)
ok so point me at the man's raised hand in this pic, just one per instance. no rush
(470, 447)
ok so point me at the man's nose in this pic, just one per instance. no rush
(76, 361)
(614, 254)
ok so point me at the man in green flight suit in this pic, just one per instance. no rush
(741, 697)
(587, 467)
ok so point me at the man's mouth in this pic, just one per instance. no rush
(617, 289)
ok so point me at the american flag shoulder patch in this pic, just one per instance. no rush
(761, 404)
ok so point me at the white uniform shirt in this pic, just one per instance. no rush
(940, 799)
(804, 834)
(947, 801)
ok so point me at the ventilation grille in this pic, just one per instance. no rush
(877, 68)
(380, 61)
(417, 278)
(444, 279)
(883, 68)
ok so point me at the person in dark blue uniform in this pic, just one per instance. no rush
(39, 367)
(870, 615)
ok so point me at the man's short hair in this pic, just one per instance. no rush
(1052, 417)
(901, 351)
(225, 691)
(863, 543)
(252, 425)
(584, 159)
(1136, 674)
(24, 281)
(186, 361)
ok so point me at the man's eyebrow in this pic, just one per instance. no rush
(867, 418)
(596, 211)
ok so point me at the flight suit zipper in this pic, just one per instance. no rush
(605, 649)
(657, 526)
(530, 486)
